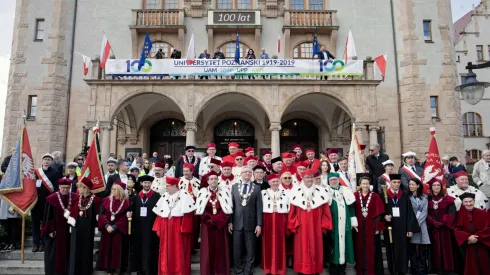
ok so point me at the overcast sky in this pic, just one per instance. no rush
(7, 14)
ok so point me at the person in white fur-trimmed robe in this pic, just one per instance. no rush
(214, 205)
(343, 221)
(191, 184)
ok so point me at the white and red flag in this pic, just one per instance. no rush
(433, 167)
(278, 43)
(356, 159)
(105, 51)
(381, 63)
(350, 47)
(191, 52)
(87, 63)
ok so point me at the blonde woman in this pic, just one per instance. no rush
(113, 224)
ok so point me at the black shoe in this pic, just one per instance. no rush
(41, 248)
(35, 248)
(9, 248)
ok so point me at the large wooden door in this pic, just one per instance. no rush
(174, 147)
(233, 130)
(299, 131)
(167, 137)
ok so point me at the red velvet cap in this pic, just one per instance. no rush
(159, 164)
(122, 184)
(233, 144)
(64, 181)
(267, 152)
(87, 182)
(249, 149)
(287, 155)
(226, 164)
(333, 151)
(239, 154)
(310, 151)
(296, 146)
(308, 172)
(211, 145)
(215, 161)
(460, 174)
(189, 165)
(273, 176)
(172, 181)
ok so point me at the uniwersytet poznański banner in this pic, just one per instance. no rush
(228, 67)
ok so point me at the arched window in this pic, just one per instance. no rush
(472, 125)
(301, 5)
(303, 51)
(168, 128)
(234, 128)
(167, 49)
(228, 49)
(473, 156)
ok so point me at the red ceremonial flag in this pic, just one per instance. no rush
(92, 168)
(104, 52)
(18, 186)
(433, 167)
(278, 43)
(381, 63)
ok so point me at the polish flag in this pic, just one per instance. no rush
(104, 52)
(381, 63)
(87, 63)
(350, 47)
(191, 52)
(278, 43)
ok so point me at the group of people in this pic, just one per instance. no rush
(293, 211)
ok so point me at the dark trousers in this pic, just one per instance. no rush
(13, 230)
(37, 217)
(337, 269)
(418, 259)
(244, 241)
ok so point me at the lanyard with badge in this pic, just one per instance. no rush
(143, 209)
(395, 210)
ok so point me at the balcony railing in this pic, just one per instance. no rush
(156, 18)
(310, 18)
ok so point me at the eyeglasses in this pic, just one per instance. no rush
(190, 150)
(238, 159)
(287, 178)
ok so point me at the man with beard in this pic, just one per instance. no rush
(190, 158)
(266, 161)
(143, 239)
(249, 151)
(333, 159)
(111, 168)
(59, 215)
(214, 167)
(46, 183)
(227, 179)
(299, 157)
(205, 164)
(159, 185)
(276, 166)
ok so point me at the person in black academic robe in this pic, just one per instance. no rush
(82, 250)
(189, 157)
(144, 241)
(123, 169)
(401, 218)
(59, 215)
(260, 180)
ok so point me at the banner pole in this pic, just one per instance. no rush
(22, 239)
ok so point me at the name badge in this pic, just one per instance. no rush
(143, 212)
(396, 212)
(39, 183)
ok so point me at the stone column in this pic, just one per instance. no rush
(275, 141)
(106, 142)
(191, 128)
(359, 132)
(373, 134)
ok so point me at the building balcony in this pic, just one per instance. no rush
(157, 20)
(300, 20)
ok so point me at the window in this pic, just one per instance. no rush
(32, 107)
(316, 4)
(427, 30)
(473, 156)
(224, 4)
(166, 48)
(472, 125)
(243, 4)
(171, 4)
(39, 30)
(151, 4)
(229, 50)
(479, 52)
(297, 4)
(303, 51)
(434, 104)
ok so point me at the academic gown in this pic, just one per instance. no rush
(289, 237)
(308, 227)
(475, 222)
(82, 251)
(56, 252)
(369, 260)
(441, 224)
(179, 166)
(291, 169)
(113, 251)
(144, 241)
(397, 252)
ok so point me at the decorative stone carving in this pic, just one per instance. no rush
(271, 8)
(275, 126)
(196, 8)
(121, 140)
(190, 126)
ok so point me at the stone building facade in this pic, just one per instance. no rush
(163, 115)
(471, 34)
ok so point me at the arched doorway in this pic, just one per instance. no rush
(236, 130)
(167, 137)
(298, 131)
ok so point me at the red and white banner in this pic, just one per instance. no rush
(433, 167)
(356, 161)
(104, 51)
(381, 63)
(87, 63)
(92, 168)
(191, 52)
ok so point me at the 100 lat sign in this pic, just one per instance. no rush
(233, 17)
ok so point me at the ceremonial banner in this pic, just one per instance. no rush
(18, 186)
(433, 167)
(92, 168)
(356, 161)
(228, 67)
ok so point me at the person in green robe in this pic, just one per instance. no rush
(341, 246)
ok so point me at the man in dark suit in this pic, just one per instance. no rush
(122, 175)
(246, 222)
(374, 162)
(325, 55)
(409, 170)
(204, 55)
(188, 157)
(456, 166)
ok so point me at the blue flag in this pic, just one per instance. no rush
(237, 44)
(316, 47)
(145, 51)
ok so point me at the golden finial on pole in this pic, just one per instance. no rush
(385, 192)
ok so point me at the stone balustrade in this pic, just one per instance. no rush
(310, 18)
(157, 17)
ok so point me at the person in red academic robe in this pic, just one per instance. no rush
(312, 163)
(233, 148)
(214, 204)
(113, 224)
(309, 217)
(173, 224)
(226, 179)
(288, 163)
(440, 219)
(59, 215)
(266, 160)
(472, 232)
(286, 184)
(369, 210)
(275, 205)
(191, 184)
(214, 165)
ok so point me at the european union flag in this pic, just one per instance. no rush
(237, 45)
(316, 47)
(145, 51)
